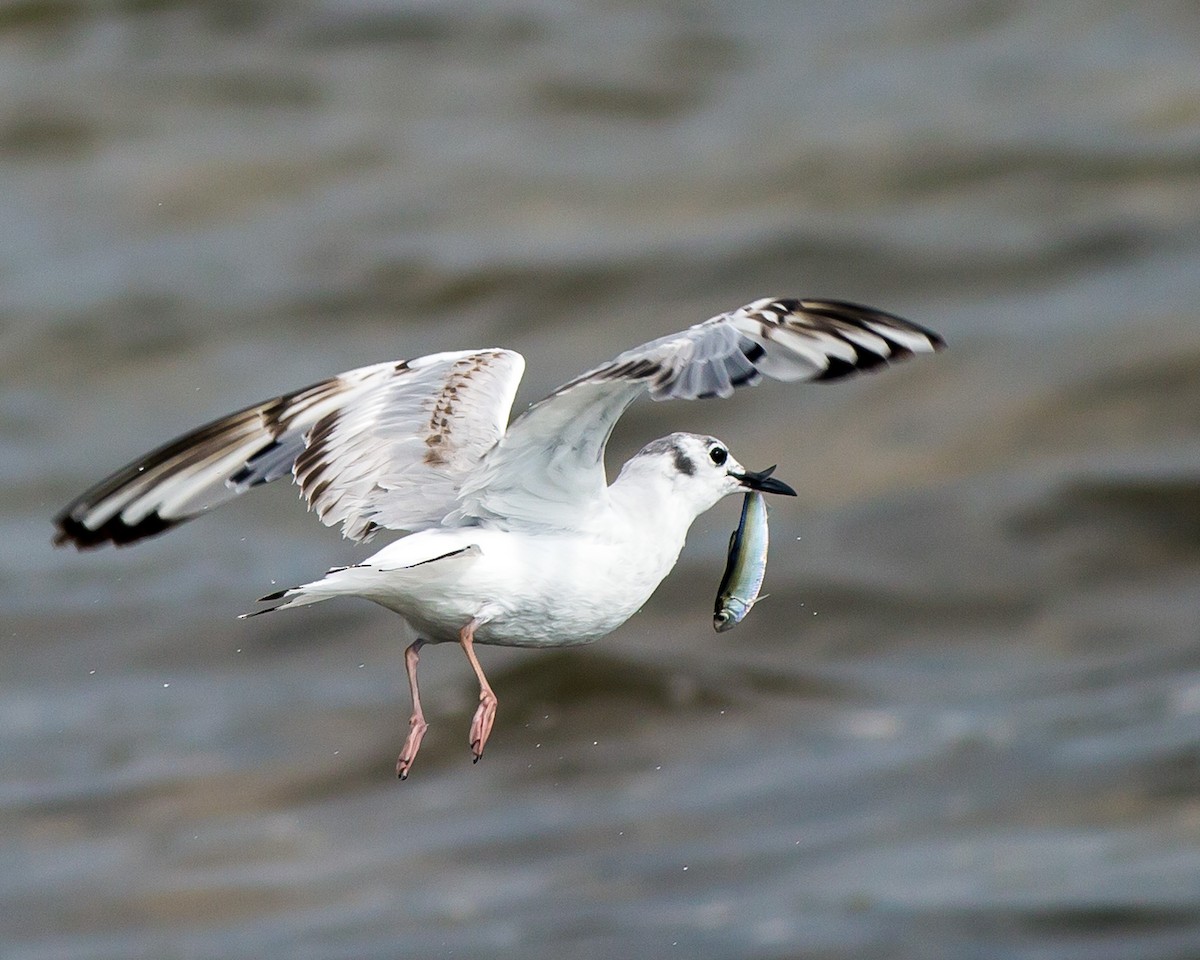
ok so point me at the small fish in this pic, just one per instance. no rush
(746, 566)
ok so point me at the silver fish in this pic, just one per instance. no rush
(746, 566)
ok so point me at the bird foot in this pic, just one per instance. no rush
(416, 730)
(481, 724)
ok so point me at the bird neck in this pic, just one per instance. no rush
(651, 507)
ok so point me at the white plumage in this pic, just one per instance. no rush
(514, 535)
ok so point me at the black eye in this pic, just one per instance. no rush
(718, 455)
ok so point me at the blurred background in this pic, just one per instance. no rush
(966, 722)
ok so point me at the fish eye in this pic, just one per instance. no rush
(718, 455)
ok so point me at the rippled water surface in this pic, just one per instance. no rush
(966, 722)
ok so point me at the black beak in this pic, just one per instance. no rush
(762, 480)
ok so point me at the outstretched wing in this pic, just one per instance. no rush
(550, 464)
(385, 445)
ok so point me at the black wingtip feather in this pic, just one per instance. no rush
(844, 309)
(71, 532)
(838, 369)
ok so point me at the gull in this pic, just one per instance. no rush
(511, 533)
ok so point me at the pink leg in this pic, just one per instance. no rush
(416, 723)
(485, 715)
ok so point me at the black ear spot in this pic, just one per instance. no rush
(684, 464)
(718, 455)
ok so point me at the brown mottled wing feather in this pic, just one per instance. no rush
(384, 445)
(397, 458)
(550, 464)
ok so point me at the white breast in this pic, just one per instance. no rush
(527, 589)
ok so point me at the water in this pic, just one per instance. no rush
(965, 721)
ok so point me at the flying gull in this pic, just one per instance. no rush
(512, 533)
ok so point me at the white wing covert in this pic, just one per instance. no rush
(383, 445)
(549, 466)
